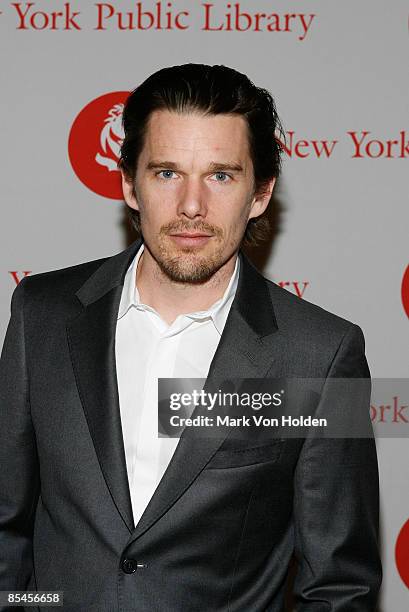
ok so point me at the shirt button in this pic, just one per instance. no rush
(129, 566)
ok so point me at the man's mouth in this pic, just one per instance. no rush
(190, 238)
(190, 234)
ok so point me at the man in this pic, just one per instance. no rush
(93, 502)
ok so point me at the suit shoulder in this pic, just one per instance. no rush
(296, 313)
(61, 281)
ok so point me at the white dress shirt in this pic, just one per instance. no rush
(147, 348)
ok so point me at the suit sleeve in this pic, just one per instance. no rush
(336, 506)
(19, 474)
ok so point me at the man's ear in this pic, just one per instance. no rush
(129, 191)
(261, 200)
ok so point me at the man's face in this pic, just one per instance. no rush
(194, 190)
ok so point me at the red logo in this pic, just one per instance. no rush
(94, 144)
(405, 291)
(402, 553)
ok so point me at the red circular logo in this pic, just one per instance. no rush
(402, 553)
(405, 291)
(94, 144)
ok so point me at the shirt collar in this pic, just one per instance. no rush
(218, 311)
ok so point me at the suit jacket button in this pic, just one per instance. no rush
(129, 566)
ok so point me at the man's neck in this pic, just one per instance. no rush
(170, 298)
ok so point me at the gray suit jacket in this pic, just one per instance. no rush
(226, 518)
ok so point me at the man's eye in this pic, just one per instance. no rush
(223, 175)
(165, 173)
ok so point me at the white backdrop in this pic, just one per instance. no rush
(338, 72)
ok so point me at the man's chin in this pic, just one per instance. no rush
(196, 270)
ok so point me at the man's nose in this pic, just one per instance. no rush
(192, 201)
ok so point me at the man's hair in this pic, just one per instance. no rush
(208, 90)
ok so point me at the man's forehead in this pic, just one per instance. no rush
(195, 145)
(187, 132)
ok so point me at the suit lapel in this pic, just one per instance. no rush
(91, 340)
(243, 352)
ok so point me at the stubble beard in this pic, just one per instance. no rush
(187, 264)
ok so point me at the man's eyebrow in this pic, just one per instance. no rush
(213, 166)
